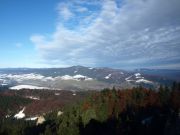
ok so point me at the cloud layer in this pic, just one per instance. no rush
(121, 34)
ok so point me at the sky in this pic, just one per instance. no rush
(125, 34)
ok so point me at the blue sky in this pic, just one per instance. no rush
(123, 34)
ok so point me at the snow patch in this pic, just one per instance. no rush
(59, 113)
(75, 77)
(19, 87)
(137, 74)
(31, 118)
(88, 79)
(75, 71)
(7, 116)
(22, 77)
(40, 120)
(127, 79)
(143, 81)
(56, 94)
(20, 115)
(79, 76)
(4, 84)
(66, 77)
(139, 77)
(108, 76)
(25, 77)
(32, 97)
(48, 78)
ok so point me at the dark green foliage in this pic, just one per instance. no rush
(10, 103)
(47, 131)
(14, 127)
(164, 95)
(88, 115)
(176, 86)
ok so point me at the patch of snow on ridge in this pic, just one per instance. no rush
(88, 79)
(48, 78)
(75, 71)
(30, 76)
(144, 81)
(22, 77)
(121, 73)
(20, 115)
(139, 77)
(108, 76)
(137, 74)
(79, 76)
(19, 87)
(75, 77)
(66, 77)
(4, 84)
(127, 79)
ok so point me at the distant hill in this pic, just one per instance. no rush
(85, 78)
(167, 73)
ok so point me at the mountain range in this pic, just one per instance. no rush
(84, 78)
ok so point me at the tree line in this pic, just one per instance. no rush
(136, 111)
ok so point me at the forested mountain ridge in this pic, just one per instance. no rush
(111, 112)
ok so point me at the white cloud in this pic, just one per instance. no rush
(64, 11)
(135, 33)
(81, 9)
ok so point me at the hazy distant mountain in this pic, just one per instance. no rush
(167, 73)
(83, 78)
